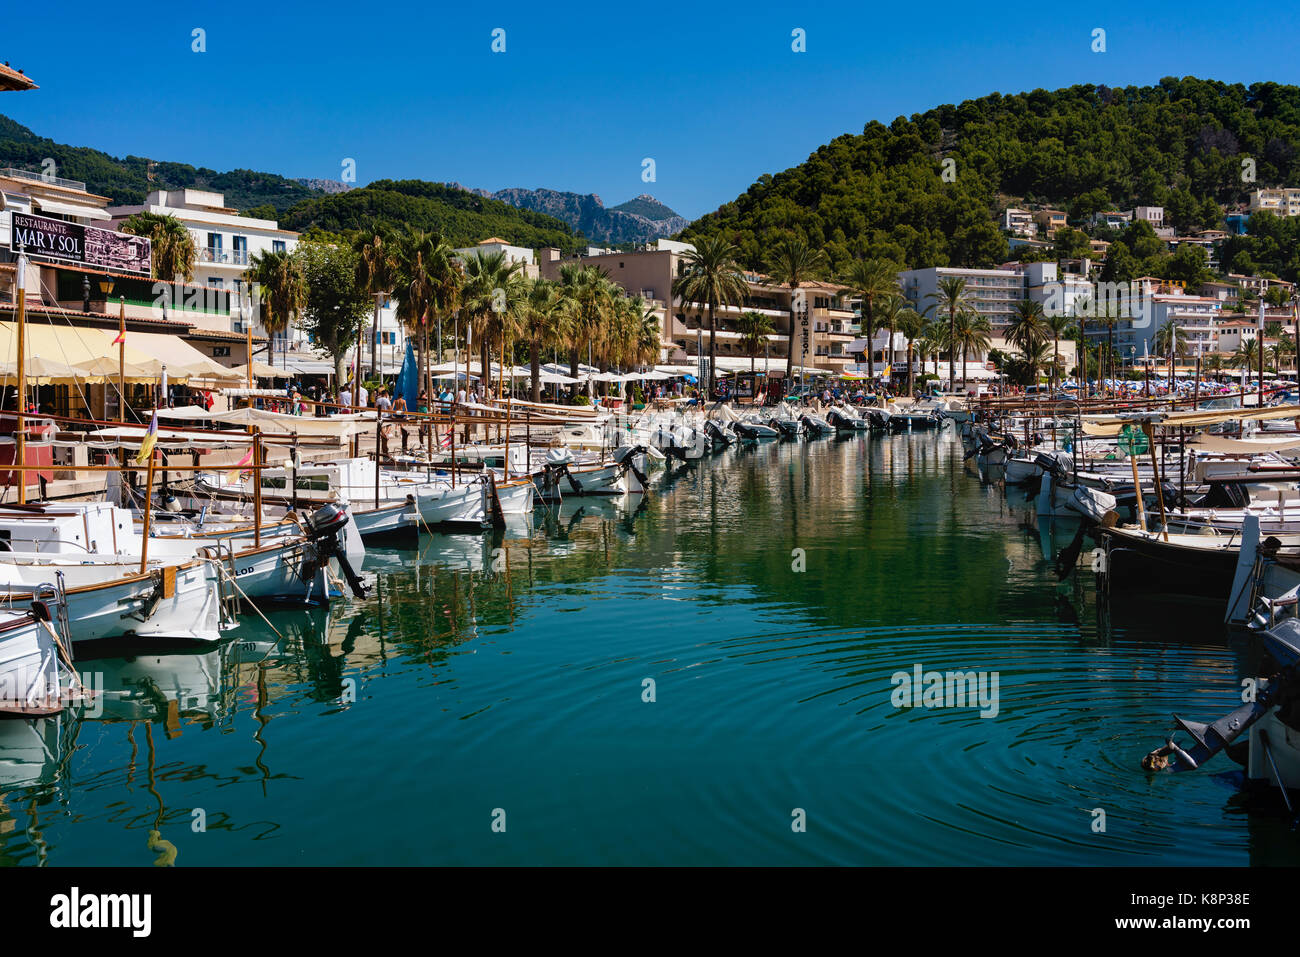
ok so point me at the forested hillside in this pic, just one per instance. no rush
(463, 218)
(927, 190)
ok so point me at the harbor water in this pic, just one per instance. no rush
(708, 676)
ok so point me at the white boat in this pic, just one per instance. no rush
(1057, 494)
(35, 678)
(283, 566)
(1263, 734)
(109, 597)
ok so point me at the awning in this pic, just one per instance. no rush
(180, 358)
(70, 209)
(1110, 425)
(83, 348)
(260, 371)
(311, 367)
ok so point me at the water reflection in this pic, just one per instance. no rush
(507, 670)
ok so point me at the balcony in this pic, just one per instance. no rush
(223, 257)
(42, 178)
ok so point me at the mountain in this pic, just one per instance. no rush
(927, 190)
(639, 220)
(647, 206)
(324, 185)
(462, 217)
(299, 204)
(127, 180)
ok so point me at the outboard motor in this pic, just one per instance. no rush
(879, 419)
(1283, 644)
(720, 437)
(628, 456)
(1057, 463)
(323, 529)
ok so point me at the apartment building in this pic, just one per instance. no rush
(1155, 215)
(993, 293)
(1259, 285)
(1111, 219)
(1283, 201)
(1049, 221)
(225, 242)
(650, 272)
(1019, 222)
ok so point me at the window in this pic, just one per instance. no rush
(214, 242)
(220, 352)
(215, 283)
(277, 245)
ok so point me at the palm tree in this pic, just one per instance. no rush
(1283, 351)
(934, 337)
(891, 309)
(377, 273)
(283, 289)
(1028, 327)
(754, 328)
(1246, 354)
(1058, 324)
(711, 277)
(489, 300)
(589, 296)
(972, 336)
(172, 250)
(542, 322)
(428, 282)
(1032, 357)
(951, 298)
(791, 263)
(874, 281)
(912, 325)
(1171, 331)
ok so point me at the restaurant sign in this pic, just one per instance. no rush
(56, 241)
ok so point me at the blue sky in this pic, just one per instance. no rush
(712, 92)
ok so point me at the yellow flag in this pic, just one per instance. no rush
(150, 439)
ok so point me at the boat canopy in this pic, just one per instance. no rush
(1111, 424)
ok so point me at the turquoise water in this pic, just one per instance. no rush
(504, 680)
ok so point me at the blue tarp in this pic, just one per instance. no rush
(407, 385)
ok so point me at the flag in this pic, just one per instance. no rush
(121, 337)
(150, 437)
(234, 474)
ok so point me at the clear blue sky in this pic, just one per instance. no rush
(711, 91)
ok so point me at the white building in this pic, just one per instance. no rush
(1112, 219)
(225, 242)
(514, 254)
(993, 293)
(1019, 222)
(1058, 293)
(1155, 215)
(1281, 202)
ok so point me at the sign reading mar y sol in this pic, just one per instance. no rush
(54, 240)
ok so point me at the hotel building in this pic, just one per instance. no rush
(684, 326)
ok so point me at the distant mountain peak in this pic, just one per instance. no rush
(639, 220)
(325, 185)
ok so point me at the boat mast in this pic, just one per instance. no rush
(20, 438)
(121, 362)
